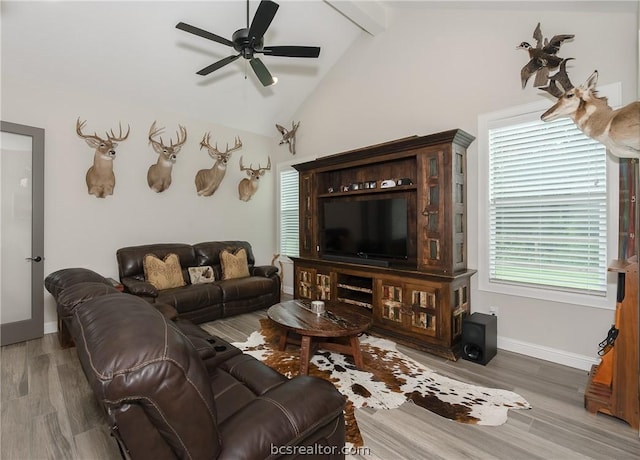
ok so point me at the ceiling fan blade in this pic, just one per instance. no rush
(262, 19)
(262, 72)
(216, 65)
(292, 51)
(203, 33)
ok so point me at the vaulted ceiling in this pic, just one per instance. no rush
(132, 51)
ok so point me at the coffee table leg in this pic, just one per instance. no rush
(355, 351)
(305, 354)
(283, 340)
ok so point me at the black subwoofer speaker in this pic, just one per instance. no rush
(479, 338)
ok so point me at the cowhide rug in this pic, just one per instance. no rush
(389, 380)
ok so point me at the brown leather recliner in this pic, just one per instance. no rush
(202, 302)
(170, 390)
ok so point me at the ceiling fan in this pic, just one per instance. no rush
(250, 41)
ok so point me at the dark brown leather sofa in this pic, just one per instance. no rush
(201, 302)
(170, 390)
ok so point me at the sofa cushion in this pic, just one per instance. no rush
(130, 258)
(204, 274)
(208, 253)
(72, 296)
(234, 265)
(60, 279)
(191, 297)
(163, 274)
(149, 378)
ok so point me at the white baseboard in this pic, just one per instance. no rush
(548, 354)
(51, 327)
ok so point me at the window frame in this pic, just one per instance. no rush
(517, 115)
(283, 166)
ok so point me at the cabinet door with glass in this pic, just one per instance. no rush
(390, 309)
(422, 304)
(313, 284)
(305, 283)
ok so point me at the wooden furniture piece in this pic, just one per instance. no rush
(421, 301)
(320, 331)
(617, 392)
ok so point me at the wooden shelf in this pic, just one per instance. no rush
(436, 262)
(368, 191)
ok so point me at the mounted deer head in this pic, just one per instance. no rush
(100, 178)
(289, 137)
(618, 130)
(247, 187)
(208, 180)
(159, 174)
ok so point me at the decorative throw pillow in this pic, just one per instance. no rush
(163, 274)
(234, 265)
(204, 274)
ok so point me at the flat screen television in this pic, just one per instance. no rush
(365, 229)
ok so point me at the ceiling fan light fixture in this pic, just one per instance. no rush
(250, 40)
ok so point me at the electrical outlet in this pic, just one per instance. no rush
(493, 311)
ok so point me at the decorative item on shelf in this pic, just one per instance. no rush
(159, 174)
(345, 188)
(542, 58)
(247, 187)
(333, 189)
(100, 178)
(405, 181)
(208, 180)
(356, 186)
(618, 130)
(388, 183)
(289, 136)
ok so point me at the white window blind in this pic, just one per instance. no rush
(547, 207)
(289, 236)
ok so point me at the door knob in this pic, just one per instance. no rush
(34, 259)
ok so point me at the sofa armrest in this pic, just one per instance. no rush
(264, 270)
(279, 418)
(138, 287)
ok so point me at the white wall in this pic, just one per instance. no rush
(84, 231)
(434, 70)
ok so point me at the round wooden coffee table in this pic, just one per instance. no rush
(340, 321)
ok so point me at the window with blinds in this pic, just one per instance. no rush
(547, 207)
(289, 237)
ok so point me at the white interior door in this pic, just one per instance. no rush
(21, 233)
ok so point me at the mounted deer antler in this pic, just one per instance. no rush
(247, 187)
(618, 130)
(289, 137)
(208, 180)
(100, 178)
(159, 174)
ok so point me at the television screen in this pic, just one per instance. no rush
(367, 228)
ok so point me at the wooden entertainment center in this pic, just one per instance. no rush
(420, 301)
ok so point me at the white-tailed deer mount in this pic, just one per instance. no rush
(208, 180)
(159, 174)
(247, 187)
(289, 137)
(100, 177)
(618, 130)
